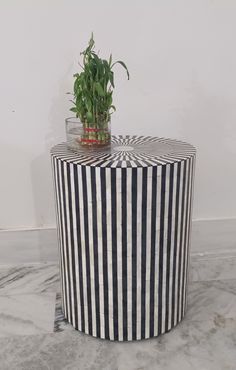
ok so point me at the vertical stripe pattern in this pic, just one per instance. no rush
(124, 234)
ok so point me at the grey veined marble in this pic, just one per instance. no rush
(22, 314)
(27, 299)
(213, 266)
(33, 278)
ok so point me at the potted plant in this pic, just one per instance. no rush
(93, 102)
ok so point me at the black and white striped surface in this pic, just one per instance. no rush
(124, 216)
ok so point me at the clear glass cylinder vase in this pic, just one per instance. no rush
(87, 135)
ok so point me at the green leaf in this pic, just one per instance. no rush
(99, 89)
(78, 101)
(111, 78)
(90, 46)
(73, 110)
(89, 117)
(91, 42)
(123, 65)
(109, 99)
(110, 60)
(76, 85)
(88, 104)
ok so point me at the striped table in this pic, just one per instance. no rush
(124, 216)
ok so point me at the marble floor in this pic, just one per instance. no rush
(34, 335)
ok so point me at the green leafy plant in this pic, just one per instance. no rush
(93, 90)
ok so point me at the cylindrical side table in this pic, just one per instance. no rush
(123, 216)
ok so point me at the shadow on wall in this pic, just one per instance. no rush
(41, 173)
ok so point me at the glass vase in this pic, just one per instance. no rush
(87, 135)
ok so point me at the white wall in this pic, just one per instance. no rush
(182, 60)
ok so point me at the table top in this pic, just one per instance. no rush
(128, 151)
